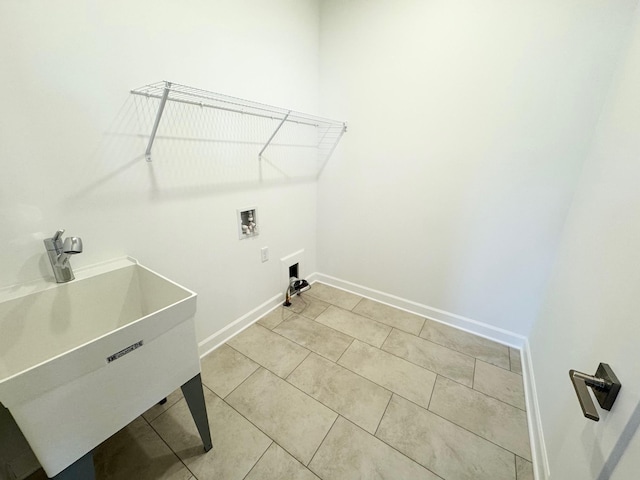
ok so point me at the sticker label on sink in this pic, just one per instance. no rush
(124, 351)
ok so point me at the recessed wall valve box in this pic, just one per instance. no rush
(247, 223)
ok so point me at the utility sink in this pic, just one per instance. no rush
(81, 360)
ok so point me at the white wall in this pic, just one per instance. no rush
(468, 124)
(69, 159)
(591, 312)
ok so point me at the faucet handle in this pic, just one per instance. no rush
(57, 235)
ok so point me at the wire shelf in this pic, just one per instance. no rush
(329, 132)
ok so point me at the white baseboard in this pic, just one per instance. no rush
(463, 323)
(212, 342)
(539, 457)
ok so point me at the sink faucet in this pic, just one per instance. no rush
(59, 253)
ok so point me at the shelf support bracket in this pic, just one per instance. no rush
(154, 130)
(274, 134)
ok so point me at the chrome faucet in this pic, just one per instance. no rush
(59, 253)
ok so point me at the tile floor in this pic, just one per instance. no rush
(339, 387)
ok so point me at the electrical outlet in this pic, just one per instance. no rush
(264, 254)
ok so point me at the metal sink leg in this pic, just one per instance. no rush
(194, 396)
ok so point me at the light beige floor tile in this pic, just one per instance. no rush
(137, 452)
(355, 398)
(316, 337)
(444, 448)
(365, 329)
(225, 368)
(400, 376)
(293, 419)
(307, 306)
(334, 296)
(434, 357)
(492, 419)
(277, 464)
(269, 349)
(158, 409)
(274, 318)
(499, 383)
(515, 360)
(524, 469)
(237, 444)
(390, 316)
(465, 342)
(349, 453)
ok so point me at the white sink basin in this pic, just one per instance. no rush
(80, 360)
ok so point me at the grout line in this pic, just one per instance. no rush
(383, 414)
(438, 344)
(472, 432)
(297, 366)
(393, 448)
(364, 315)
(459, 426)
(306, 347)
(493, 396)
(259, 429)
(460, 350)
(373, 382)
(424, 326)
(356, 305)
(361, 316)
(337, 362)
(392, 392)
(473, 377)
(340, 331)
(285, 338)
(386, 338)
(314, 399)
(320, 444)
(353, 372)
(308, 317)
(258, 461)
(238, 386)
(169, 446)
(433, 389)
(417, 364)
(485, 394)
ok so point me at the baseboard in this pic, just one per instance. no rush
(463, 323)
(539, 457)
(212, 342)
